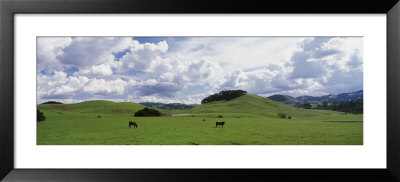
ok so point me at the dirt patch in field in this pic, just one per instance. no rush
(61, 108)
(116, 111)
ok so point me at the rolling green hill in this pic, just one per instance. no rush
(253, 105)
(95, 107)
(286, 99)
(245, 106)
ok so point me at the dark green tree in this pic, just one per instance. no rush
(281, 115)
(40, 116)
(324, 104)
(147, 112)
(355, 107)
(223, 95)
(307, 105)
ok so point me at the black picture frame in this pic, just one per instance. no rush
(9, 8)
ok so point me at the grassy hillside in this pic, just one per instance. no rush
(250, 120)
(95, 107)
(256, 106)
(247, 105)
(285, 99)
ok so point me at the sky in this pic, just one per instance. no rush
(188, 69)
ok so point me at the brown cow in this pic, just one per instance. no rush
(219, 123)
(134, 123)
(98, 116)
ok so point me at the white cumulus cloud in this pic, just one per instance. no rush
(186, 69)
(96, 70)
(105, 87)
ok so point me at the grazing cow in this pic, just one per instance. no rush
(98, 116)
(219, 123)
(134, 123)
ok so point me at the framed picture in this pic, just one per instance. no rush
(176, 90)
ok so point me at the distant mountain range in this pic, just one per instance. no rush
(298, 101)
(171, 106)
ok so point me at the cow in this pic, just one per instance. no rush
(219, 123)
(98, 116)
(134, 123)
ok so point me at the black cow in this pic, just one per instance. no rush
(219, 123)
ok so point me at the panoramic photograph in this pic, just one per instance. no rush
(199, 90)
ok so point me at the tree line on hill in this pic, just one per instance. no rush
(52, 102)
(355, 107)
(224, 95)
(345, 102)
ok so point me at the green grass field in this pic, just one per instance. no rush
(249, 120)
